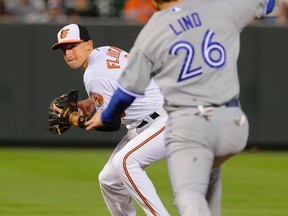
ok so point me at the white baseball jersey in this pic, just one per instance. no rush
(101, 77)
(123, 176)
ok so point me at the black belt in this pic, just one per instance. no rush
(143, 123)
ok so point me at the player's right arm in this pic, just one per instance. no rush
(120, 101)
(86, 110)
(100, 91)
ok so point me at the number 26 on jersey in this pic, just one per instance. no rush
(189, 69)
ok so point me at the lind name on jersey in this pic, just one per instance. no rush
(186, 23)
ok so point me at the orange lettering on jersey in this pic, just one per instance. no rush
(64, 33)
(114, 53)
(112, 64)
(116, 48)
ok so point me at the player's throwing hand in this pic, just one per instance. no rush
(95, 121)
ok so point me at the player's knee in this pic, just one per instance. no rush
(104, 177)
(193, 203)
(124, 164)
(118, 164)
(101, 177)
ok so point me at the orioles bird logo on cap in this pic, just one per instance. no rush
(64, 33)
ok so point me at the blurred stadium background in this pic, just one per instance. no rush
(63, 181)
(32, 75)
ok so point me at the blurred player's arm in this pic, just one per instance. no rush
(120, 101)
(86, 110)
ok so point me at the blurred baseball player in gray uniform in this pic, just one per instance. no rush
(191, 48)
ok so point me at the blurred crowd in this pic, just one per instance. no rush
(137, 11)
(61, 11)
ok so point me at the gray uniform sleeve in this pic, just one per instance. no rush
(140, 62)
(251, 8)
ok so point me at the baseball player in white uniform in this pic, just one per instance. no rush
(191, 48)
(123, 176)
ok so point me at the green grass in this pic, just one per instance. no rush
(256, 184)
(60, 182)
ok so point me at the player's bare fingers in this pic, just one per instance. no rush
(94, 122)
(90, 125)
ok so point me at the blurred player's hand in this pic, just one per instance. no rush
(95, 122)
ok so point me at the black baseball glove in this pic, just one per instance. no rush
(59, 122)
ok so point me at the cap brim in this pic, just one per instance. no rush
(57, 45)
